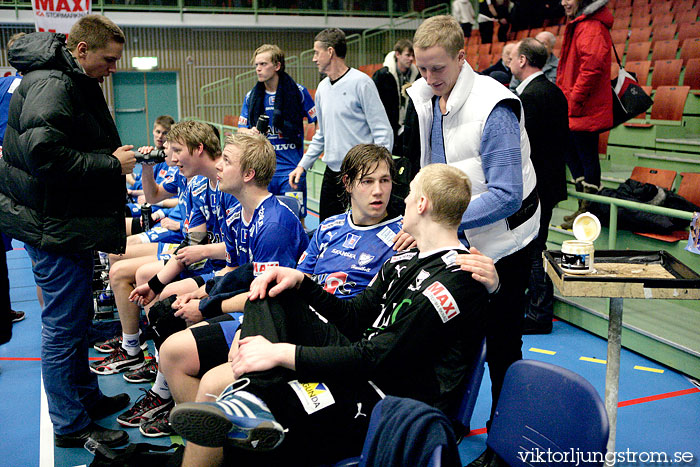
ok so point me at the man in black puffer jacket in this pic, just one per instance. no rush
(62, 192)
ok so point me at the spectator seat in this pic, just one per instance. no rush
(690, 49)
(640, 34)
(664, 50)
(544, 407)
(691, 77)
(641, 69)
(666, 73)
(637, 51)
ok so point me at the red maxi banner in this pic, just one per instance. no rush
(59, 15)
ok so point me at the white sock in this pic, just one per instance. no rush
(160, 386)
(131, 344)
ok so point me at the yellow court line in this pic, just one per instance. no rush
(547, 352)
(646, 368)
(594, 360)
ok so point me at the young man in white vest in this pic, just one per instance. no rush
(474, 123)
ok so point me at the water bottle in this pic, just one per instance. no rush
(146, 221)
(263, 124)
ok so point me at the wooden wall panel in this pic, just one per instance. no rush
(199, 56)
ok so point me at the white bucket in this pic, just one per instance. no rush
(578, 255)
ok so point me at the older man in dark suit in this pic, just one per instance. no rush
(546, 122)
(502, 65)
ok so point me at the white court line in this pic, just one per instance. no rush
(45, 432)
(46, 446)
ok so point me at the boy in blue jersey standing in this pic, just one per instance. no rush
(286, 104)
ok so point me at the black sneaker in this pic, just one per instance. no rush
(157, 427)
(531, 326)
(16, 315)
(146, 407)
(109, 405)
(118, 361)
(102, 435)
(145, 374)
(484, 459)
(110, 345)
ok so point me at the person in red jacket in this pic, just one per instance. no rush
(584, 77)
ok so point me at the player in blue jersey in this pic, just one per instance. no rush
(186, 205)
(286, 104)
(348, 249)
(170, 230)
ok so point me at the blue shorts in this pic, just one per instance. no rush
(204, 268)
(203, 273)
(161, 235)
(166, 250)
(280, 186)
(229, 327)
(214, 341)
(135, 209)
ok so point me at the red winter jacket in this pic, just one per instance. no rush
(584, 69)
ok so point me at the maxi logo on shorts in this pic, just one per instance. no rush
(313, 396)
(442, 300)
